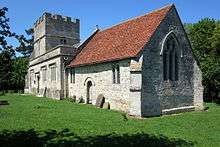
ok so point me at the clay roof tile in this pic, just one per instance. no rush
(120, 41)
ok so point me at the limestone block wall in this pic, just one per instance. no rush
(39, 43)
(50, 29)
(118, 95)
(58, 56)
(48, 87)
(136, 85)
(59, 27)
(198, 88)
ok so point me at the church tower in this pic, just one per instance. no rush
(53, 30)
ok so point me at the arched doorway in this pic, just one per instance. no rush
(88, 92)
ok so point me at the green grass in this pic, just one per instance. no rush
(79, 124)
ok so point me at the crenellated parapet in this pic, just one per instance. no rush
(51, 30)
(56, 17)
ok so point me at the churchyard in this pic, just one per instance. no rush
(32, 121)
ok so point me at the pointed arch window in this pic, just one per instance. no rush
(170, 58)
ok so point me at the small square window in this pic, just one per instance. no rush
(63, 41)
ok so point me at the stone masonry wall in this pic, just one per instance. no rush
(118, 95)
(50, 29)
(198, 88)
(157, 94)
(53, 88)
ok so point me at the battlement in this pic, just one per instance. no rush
(49, 16)
(51, 30)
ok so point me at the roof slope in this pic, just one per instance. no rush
(121, 41)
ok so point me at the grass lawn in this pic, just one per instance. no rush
(33, 121)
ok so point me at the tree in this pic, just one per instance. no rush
(26, 45)
(12, 70)
(19, 71)
(188, 27)
(4, 29)
(211, 80)
(200, 36)
(205, 40)
(7, 52)
(216, 39)
(5, 69)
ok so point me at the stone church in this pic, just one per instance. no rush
(143, 66)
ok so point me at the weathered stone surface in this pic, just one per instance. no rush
(49, 32)
(142, 90)
(157, 94)
(100, 75)
(100, 101)
(106, 105)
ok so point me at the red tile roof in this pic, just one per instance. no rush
(121, 41)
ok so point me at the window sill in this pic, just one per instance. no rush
(170, 83)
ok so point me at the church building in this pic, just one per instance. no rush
(143, 66)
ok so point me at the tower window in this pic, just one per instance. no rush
(170, 59)
(63, 41)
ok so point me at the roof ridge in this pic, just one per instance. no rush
(134, 18)
(109, 46)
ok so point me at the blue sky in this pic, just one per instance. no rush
(23, 13)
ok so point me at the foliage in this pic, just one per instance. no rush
(205, 40)
(5, 69)
(188, 27)
(26, 45)
(4, 30)
(12, 70)
(200, 36)
(210, 67)
(216, 39)
(19, 71)
(85, 121)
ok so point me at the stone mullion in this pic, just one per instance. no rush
(165, 65)
(168, 60)
(176, 66)
(173, 60)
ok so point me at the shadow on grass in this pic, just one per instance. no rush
(66, 138)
